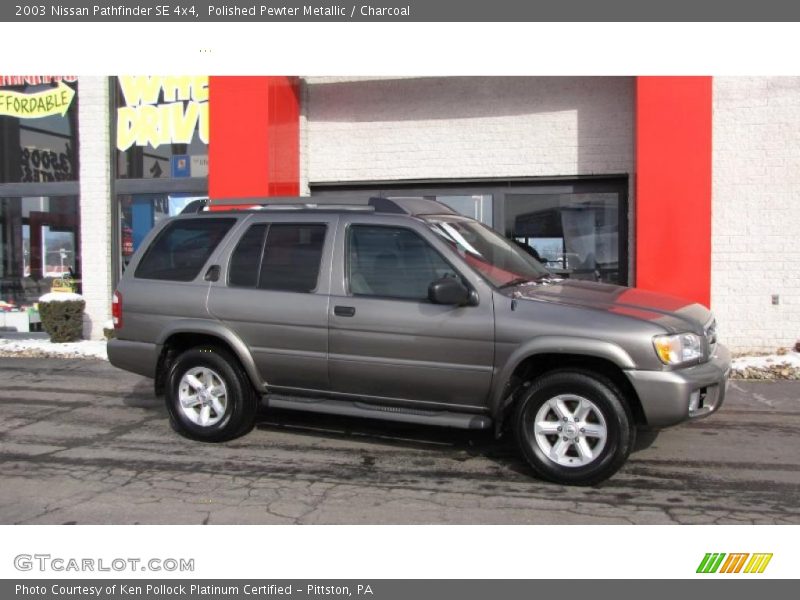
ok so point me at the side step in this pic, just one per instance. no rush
(352, 408)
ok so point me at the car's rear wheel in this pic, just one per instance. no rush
(209, 397)
(574, 427)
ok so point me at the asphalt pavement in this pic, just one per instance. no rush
(82, 442)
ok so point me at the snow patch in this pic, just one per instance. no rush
(47, 349)
(60, 297)
(791, 359)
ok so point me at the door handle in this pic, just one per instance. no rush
(344, 311)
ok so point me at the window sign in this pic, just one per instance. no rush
(38, 128)
(45, 103)
(162, 110)
(181, 167)
(157, 120)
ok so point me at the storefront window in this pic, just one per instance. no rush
(477, 206)
(576, 228)
(573, 235)
(140, 212)
(39, 243)
(161, 127)
(38, 130)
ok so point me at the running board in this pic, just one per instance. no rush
(353, 408)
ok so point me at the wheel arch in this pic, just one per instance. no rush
(186, 334)
(602, 358)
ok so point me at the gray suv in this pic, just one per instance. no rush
(404, 310)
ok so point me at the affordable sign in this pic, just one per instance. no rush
(162, 110)
(54, 101)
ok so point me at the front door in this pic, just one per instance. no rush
(387, 340)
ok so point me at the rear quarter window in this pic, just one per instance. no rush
(182, 248)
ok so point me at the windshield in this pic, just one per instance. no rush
(499, 260)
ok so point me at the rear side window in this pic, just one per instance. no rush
(182, 248)
(287, 260)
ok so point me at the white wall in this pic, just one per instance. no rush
(756, 211)
(466, 127)
(95, 203)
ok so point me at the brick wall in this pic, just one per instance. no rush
(95, 206)
(756, 211)
(466, 127)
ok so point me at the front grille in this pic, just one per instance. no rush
(711, 336)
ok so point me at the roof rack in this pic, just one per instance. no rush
(313, 206)
(413, 206)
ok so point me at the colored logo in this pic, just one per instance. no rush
(741, 562)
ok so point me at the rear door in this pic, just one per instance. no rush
(387, 340)
(273, 292)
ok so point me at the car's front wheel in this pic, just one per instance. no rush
(574, 427)
(209, 397)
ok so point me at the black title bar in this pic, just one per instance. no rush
(384, 589)
(401, 11)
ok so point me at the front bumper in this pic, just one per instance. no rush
(671, 397)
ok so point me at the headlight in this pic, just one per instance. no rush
(678, 349)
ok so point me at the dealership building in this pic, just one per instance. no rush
(682, 185)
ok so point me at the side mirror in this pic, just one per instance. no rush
(448, 290)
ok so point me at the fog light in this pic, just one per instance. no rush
(694, 401)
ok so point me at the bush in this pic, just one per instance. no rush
(62, 319)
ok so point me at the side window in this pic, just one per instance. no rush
(182, 248)
(292, 255)
(246, 258)
(287, 260)
(392, 262)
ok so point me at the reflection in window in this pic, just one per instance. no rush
(477, 206)
(575, 235)
(39, 242)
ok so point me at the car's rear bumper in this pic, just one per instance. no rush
(137, 357)
(670, 397)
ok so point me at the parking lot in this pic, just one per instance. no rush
(82, 442)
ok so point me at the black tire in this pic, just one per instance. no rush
(609, 412)
(241, 401)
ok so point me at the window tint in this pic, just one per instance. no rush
(246, 259)
(182, 248)
(393, 262)
(292, 257)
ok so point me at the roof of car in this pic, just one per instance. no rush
(403, 206)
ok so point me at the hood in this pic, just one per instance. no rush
(676, 315)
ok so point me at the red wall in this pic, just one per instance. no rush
(673, 186)
(253, 146)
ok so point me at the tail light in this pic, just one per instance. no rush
(116, 310)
